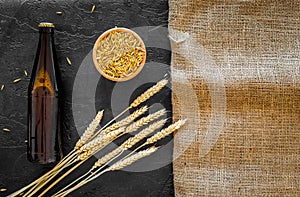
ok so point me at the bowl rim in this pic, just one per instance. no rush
(134, 73)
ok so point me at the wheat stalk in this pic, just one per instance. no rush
(58, 180)
(128, 161)
(117, 166)
(130, 143)
(149, 93)
(165, 132)
(89, 132)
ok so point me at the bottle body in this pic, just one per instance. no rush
(44, 102)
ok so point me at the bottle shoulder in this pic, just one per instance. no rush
(45, 68)
(43, 77)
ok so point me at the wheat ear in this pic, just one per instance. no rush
(89, 132)
(128, 161)
(144, 121)
(130, 143)
(140, 99)
(107, 157)
(137, 113)
(98, 143)
(144, 133)
(165, 132)
(149, 93)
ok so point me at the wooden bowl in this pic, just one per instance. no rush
(100, 69)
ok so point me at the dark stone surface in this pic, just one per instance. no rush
(76, 31)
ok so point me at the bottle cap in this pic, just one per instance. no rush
(45, 24)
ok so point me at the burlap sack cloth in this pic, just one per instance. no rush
(236, 77)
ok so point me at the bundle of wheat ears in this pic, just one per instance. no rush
(93, 140)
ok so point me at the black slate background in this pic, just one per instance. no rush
(76, 31)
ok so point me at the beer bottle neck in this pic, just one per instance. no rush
(46, 37)
(49, 30)
(46, 49)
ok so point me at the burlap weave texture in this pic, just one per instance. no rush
(236, 77)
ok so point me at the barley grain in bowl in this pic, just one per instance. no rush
(119, 54)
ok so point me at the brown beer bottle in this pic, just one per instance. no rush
(43, 101)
